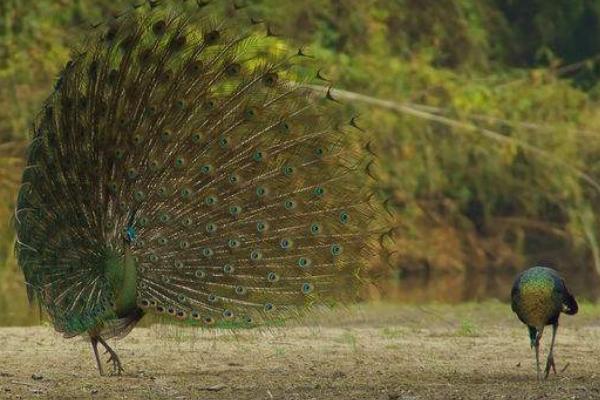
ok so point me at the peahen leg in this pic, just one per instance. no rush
(537, 352)
(114, 358)
(95, 347)
(550, 360)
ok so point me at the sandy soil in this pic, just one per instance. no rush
(383, 352)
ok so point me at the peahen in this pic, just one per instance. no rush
(539, 295)
(183, 166)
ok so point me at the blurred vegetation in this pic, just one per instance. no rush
(487, 148)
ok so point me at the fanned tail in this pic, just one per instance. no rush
(194, 143)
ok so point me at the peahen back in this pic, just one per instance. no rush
(539, 295)
(182, 167)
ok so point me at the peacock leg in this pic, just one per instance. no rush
(550, 360)
(114, 358)
(95, 347)
(537, 352)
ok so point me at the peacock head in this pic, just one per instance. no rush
(130, 235)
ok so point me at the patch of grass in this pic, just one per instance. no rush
(348, 338)
(588, 308)
(467, 328)
(392, 333)
(279, 352)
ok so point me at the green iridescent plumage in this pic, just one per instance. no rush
(538, 296)
(182, 168)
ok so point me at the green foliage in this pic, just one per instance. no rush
(490, 64)
(467, 328)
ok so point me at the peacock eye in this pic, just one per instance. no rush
(270, 79)
(177, 42)
(159, 27)
(228, 269)
(304, 262)
(233, 69)
(307, 288)
(336, 249)
(196, 138)
(211, 227)
(272, 277)
(261, 191)
(288, 170)
(211, 37)
(283, 127)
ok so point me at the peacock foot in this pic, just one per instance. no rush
(116, 363)
(549, 365)
(117, 367)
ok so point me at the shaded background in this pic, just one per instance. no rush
(484, 114)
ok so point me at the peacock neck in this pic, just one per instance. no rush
(121, 272)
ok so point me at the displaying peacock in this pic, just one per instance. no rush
(539, 295)
(184, 167)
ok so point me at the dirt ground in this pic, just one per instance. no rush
(387, 352)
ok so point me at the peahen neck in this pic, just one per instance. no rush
(121, 272)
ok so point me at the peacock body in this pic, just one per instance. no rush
(182, 168)
(539, 295)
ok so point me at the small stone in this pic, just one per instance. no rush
(338, 375)
(216, 388)
(37, 377)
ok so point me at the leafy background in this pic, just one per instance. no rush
(483, 114)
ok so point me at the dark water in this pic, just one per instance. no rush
(442, 288)
(477, 286)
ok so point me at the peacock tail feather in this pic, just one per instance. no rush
(182, 167)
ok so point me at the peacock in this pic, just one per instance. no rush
(539, 295)
(184, 166)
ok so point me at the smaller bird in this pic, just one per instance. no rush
(538, 297)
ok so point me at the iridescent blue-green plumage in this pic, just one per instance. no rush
(538, 297)
(182, 167)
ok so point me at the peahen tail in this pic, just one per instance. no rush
(182, 167)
